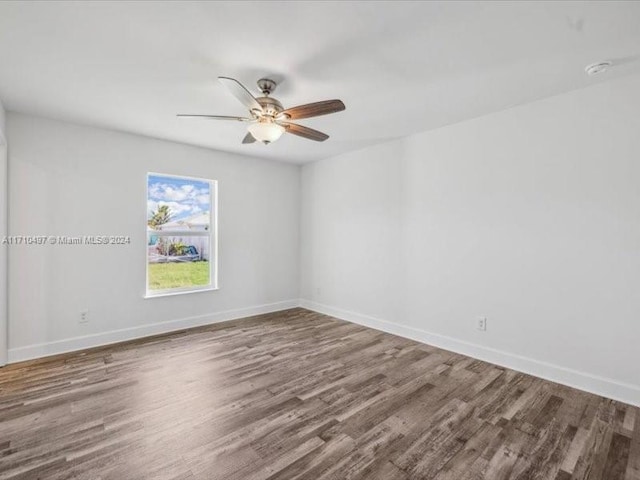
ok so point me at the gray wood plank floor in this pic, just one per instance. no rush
(299, 395)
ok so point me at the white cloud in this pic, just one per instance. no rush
(182, 200)
(174, 207)
(163, 191)
(178, 195)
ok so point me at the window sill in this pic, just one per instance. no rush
(178, 292)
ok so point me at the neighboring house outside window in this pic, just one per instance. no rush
(181, 234)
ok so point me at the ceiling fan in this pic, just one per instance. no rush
(269, 119)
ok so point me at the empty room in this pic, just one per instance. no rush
(320, 240)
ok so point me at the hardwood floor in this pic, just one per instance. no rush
(298, 395)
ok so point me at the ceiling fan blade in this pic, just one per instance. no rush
(304, 132)
(215, 117)
(248, 138)
(314, 109)
(241, 93)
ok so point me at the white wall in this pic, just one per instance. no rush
(74, 180)
(3, 232)
(530, 216)
(3, 121)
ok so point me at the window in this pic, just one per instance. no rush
(181, 234)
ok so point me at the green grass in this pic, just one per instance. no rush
(176, 275)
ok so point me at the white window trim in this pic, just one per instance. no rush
(212, 233)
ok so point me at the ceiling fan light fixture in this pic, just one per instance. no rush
(266, 132)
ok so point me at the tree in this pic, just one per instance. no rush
(161, 216)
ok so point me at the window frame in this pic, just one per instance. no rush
(212, 233)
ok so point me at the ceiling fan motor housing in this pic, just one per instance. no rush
(270, 106)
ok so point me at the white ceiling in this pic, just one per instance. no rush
(400, 67)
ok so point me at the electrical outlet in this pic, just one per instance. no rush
(482, 324)
(84, 317)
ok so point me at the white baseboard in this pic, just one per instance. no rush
(605, 387)
(30, 352)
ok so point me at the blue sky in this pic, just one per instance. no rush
(185, 197)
